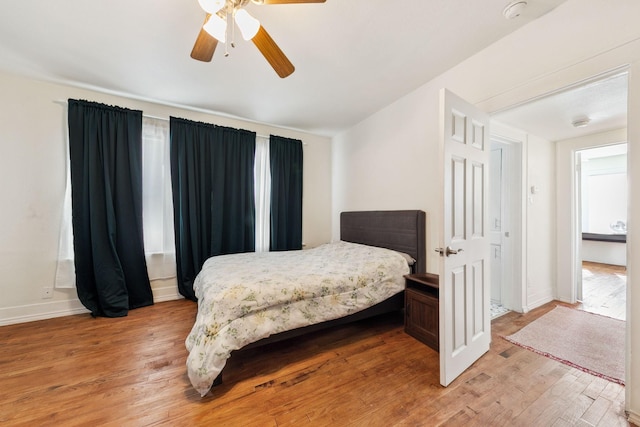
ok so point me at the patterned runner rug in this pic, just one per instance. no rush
(586, 341)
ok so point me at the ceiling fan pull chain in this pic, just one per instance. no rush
(226, 45)
(233, 29)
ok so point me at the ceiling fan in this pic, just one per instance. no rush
(215, 28)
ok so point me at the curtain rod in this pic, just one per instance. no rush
(65, 103)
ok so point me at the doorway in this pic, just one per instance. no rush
(588, 114)
(606, 128)
(602, 215)
(505, 220)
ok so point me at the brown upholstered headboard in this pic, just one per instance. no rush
(402, 231)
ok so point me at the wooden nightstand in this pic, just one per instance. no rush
(421, 308)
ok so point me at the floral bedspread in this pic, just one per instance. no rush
(243, 298)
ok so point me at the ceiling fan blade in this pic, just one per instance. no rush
(272, 53)
(205, 45)
(291, 1)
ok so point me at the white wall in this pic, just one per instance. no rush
(613, 253)
(632, 384)
(32, 172)
(382, 163)
(541, 224)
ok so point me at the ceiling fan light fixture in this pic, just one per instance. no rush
(211, 6)
(217, 27)
(247, 24)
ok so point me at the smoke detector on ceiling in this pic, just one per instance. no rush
(581, 122)
(514, 9)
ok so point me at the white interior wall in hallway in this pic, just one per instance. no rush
(541, 224)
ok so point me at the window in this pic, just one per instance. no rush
(157, 205)
(262, 186)
(65, 268)
(604, 189)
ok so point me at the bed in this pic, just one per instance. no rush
(252, 299)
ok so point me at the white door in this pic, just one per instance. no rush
(465, 324)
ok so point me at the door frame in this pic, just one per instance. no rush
(515, 253)
(569, 269)
(576, 208)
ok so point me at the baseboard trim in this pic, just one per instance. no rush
(40, 311)
(52, 309)
(633, 418)
(166, 293)
(538, 303)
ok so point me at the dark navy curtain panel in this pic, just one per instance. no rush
(286, 193)
(105, 147)
(212, 179)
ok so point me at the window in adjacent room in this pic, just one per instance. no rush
(604, 190)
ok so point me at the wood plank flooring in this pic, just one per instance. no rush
(604, 289)
(131, 372)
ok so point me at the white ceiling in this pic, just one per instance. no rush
(352, 57)
(602, 101)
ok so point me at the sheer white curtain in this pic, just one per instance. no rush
(262, 181)
(157, 205)
(65, 269)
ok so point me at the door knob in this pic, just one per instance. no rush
(450, 251)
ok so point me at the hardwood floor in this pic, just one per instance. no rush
(131, 372)
(604, 289)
